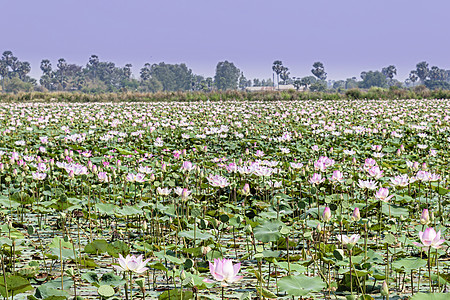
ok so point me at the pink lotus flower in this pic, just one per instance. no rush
(337, 176)
(132, 263)
(349, 241)
(383, 194)
(430, 238)
(316, 179)
(218, 181)
(224, 271)
(367, 184)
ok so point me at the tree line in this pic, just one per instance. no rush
(99, 76)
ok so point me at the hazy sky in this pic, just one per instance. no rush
(348, 36)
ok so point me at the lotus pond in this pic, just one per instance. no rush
(225, 200)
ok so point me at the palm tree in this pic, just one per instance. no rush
(62, 65)
(277, 67)
(46, 67)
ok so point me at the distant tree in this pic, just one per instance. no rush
(297, 82)
(413, 76)
(127, 71)
(338, 85)
(92, 65)
(23, 68)
(243, 83)
(285, 75)
(62, 65)
(318, 70)
(318, 86)
(277, 67)
(172, 77)
(351, 83)
(373, 78)
(307, 81)
(46, 67)
(422, 71)
(145, 73)
(389, 72)
(227, 76)
(437, 74)
(256, 82)
(3, 73)
(363, 75)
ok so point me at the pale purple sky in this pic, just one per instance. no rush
(348, 36)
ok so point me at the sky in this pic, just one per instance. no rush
(348, 36)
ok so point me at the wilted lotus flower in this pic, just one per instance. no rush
(430, 238)
(132, 263)
(326, 215)
(224, 271)
(425, 217)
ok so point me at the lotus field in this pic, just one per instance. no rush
(225, 200)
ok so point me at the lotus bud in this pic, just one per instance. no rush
(326, 215)
(356, 215)
(2, 167)
(71, 174)
(183, 152)
(15, 172)
(152, 177)
(23, 174)
(119, 163)
(425, 217)
(246, 189)
(424, 166)
(384, 289)
(432, 216)
(66, 152)
(70, 153)
(331, 150)
(182, 275)
(163, 167)
(247, 151)
(402, 148)
(94, 169)
(52, 162)
(399, 152)
(354, 161)
(205, 148)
